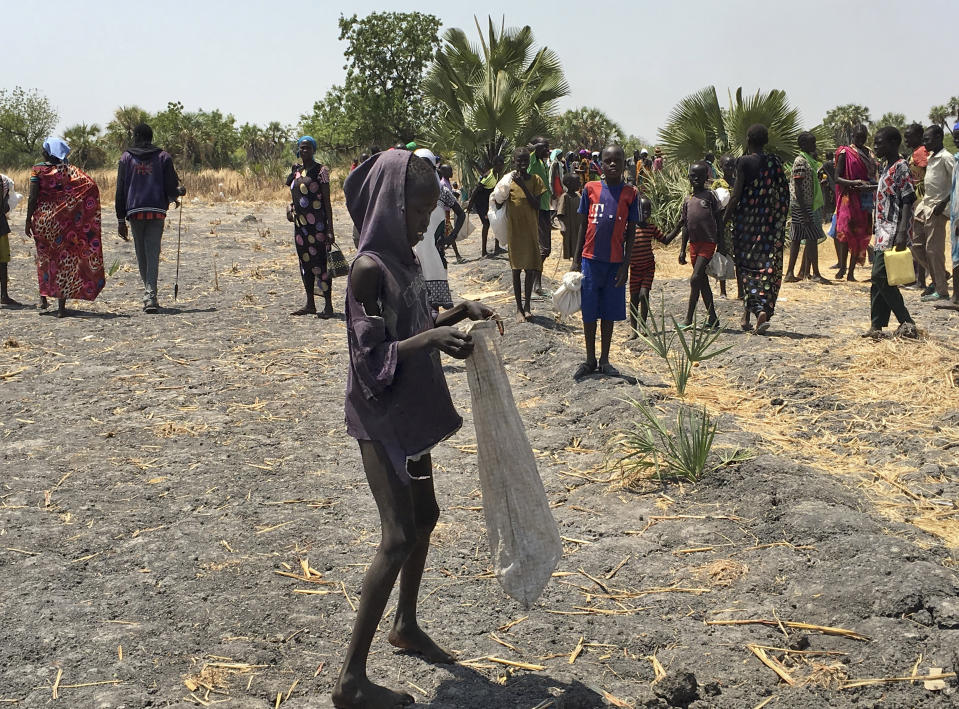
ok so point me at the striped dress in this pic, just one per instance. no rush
(642, 264)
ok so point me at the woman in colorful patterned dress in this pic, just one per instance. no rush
(63, 217)
(312, 218)
(758, 207)
(856, 173)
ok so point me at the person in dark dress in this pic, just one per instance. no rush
(312, 218)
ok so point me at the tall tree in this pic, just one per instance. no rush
(387, 54)
(841, 121)
(86, 149)
(896, 120)
(119, 135)
(584, 127)
(939, 116)
(26, 118)
(487, 99)
(698, 124)
(953, 105)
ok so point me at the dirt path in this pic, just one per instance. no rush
(167, 478)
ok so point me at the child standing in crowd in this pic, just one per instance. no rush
(567, 210)
(522, 217)
(611, 211)
(398, 405)
(895, 199)
(701, 223)
(642, 265)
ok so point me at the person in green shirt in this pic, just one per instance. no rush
(539, 152)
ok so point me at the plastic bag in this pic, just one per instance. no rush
(721, 267)
(832, 227)
(523, 538)
(723, 194)
(13, 197)
(567, 299)
(497, 215)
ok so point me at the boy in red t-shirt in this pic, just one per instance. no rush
(610, 211)
(701, 221)
(642, 265)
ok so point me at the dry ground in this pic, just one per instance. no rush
(184, 521)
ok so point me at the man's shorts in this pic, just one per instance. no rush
(706, 249)
(601, 299)
(4, 248)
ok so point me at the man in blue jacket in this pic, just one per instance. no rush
(146, 184)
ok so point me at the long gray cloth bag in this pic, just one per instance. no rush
(523, 538)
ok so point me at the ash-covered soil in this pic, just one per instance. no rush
(183, 520)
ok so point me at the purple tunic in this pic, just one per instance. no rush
(406, 407)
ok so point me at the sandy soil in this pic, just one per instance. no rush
(167, 479)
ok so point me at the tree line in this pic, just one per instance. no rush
(470, 98)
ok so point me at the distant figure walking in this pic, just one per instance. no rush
(146, 185)
(63, 217)
(310, 211)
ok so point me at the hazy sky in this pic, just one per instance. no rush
(266, 61)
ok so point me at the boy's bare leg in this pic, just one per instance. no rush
(589, 331)
(605, 340)
(5, 298)
(794, 245)
(633, 309)
(394, 500)
(699, 288)
(644, 303)
(722, 288)
(483, 238)
(531, 278)
(518, 293)
(310, 307)
(406, 632)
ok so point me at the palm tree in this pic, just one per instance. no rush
(585, 128)
(487, 99)
(120, 130)
(841, 121)
(698, 124)
(85, 148)
(939, 116)
(953, 105)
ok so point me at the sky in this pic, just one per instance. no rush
(264, 62)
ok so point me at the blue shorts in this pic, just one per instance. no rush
(601, 299)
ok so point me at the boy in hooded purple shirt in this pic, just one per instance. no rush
(146, 185)
(398, 405)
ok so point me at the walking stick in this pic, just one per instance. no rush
(176, 279)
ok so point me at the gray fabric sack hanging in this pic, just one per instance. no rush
(523, 537)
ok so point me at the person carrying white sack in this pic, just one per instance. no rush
(427, 250)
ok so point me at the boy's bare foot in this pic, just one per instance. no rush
(790, 278)
(326, 313)
(9, 301)
(632, 336)
(363, 694)
(304, 311)
(821, 280)
(840, 274)
(850, 278)
(762, 323)
(520, 316)
(415, 640)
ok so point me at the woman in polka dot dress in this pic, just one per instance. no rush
(312, 219)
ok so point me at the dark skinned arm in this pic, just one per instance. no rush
(737, 193)
(580, 244)
(623, 273)
(905, 219)
(325, 196)
(682, 251)
(365, 284)
(841, 176)
(31, 205)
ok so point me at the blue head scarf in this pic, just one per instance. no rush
(56, 147)
(307, 138)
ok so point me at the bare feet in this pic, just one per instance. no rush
(762, 323)
(44, 303)
(632, 336)
(520, 316)
(61, 312)
(850, 278)
(840, 274)
(821, 280)
(9, 301)
(306, 310)
(363, 694)
(416, 641)
(326, 313)
(790, 279)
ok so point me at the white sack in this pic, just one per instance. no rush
(497, 215)
(13, 197)
(567, 299)
(523, 538)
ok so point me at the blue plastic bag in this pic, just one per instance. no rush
(832, 227)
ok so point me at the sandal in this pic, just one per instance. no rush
(585, 369)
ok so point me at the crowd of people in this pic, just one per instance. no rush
(400, 314)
